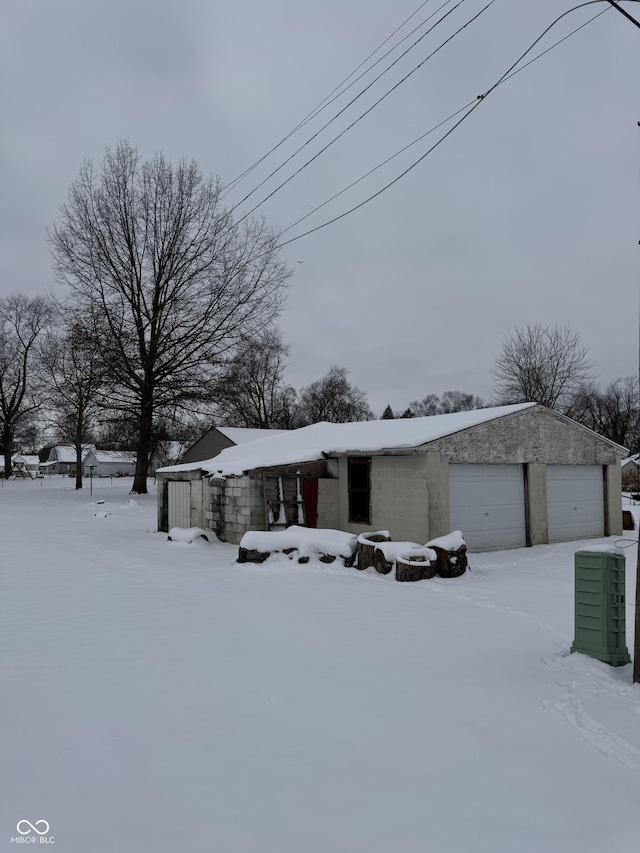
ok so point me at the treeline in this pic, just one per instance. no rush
(166, 322)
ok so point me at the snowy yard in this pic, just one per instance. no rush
(157, 696)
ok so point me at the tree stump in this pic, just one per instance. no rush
(451, 564)
(246, 555)
(366, 547)
(380, 562)
(414, 569)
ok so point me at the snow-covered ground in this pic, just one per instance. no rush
(157, 696)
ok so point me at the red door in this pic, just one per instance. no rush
(309, 490)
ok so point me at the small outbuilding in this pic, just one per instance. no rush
(62, 458)
(508, 477)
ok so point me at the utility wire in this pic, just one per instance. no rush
(436, 127)
(366, 112)
(339, 89)
(622, 11)
(476, 104)
(351, 102)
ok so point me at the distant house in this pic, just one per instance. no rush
(62, 459)
(631, 472)
(217, 439)
(507, 477)
(109, 463)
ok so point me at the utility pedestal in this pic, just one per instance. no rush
(599, 605)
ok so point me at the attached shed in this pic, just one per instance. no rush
(507, 477)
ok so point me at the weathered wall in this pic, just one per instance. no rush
(399, 498)
(536, 504)
(328, 515)
(531, 435)
(613, 504)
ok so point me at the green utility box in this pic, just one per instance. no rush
(599, 606)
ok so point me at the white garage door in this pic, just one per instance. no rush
(575, 502)
(179, 503)
(486, 502)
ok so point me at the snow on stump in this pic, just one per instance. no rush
(386, 553)
(416, 565)
(325, 544)
(451, 553)
(367, 545)
(190, 534)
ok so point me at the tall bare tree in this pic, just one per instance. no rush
(22, 321)
(75, 374)
(173, 284)
(541, 364)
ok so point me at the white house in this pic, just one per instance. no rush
(109, 463)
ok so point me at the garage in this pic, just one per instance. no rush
(575, 502)
(487, 502)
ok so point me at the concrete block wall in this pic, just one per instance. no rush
(399, 498)
(234, 506)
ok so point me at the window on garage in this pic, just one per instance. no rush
(359, 484)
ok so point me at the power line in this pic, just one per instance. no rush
(437, 126)
(339, 89)
(351, 102)
(366, 112)
(623, 12)
(472, 107)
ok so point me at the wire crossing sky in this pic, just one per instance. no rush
(528, 212)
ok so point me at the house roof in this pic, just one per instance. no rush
(241, 435)
(114, 455)
(318, 441)
(67, 453)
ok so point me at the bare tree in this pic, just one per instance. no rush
(150, 253)
(252, 391)
(541, 364)
(612, 412)
(22, 321)
(451, 401)
(75, 374)
(333, 399)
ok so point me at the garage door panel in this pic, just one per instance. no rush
(575, 502)
(486, 502)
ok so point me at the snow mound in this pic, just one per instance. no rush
(306, 540)
(452, 542)
(190, 534)
(365, 538)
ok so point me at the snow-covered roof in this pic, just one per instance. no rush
(114, 455)
(318, 441)
(241, 435)
(630, 460)
(67, 453)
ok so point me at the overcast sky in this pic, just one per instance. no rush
(529, 211)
